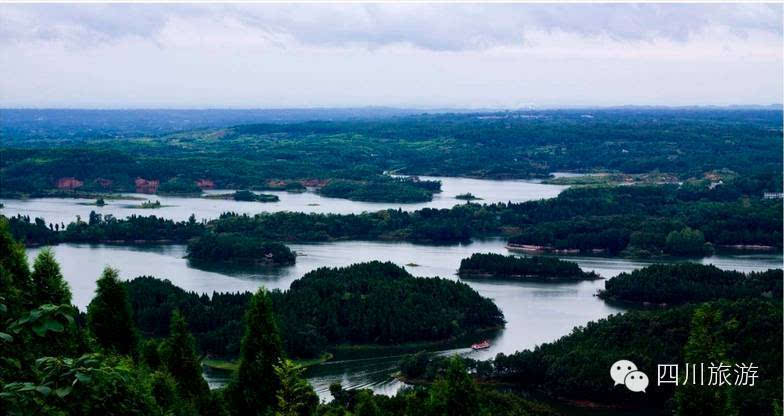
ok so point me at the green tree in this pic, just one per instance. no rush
(164, 389)
(455, 393)
(731, 333)
(151, 355)
(90, 385)
(295, 396)
(180, 358)
(366, 404)
(685, 242)
(49, 286)
(704, 345)
(109, 315)
(14, 273)
(253, 391)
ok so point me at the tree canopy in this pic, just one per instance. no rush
(109, 315)
(491, 265)
(688, 282)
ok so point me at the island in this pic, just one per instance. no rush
(342, 306)
(673, 284)
(382, 189)
(100, 200)
(150, 205)
(327, 308)
(468, 196)
(538, 268)
(238, 249)
(245, 195)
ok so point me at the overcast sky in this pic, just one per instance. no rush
(404, 55)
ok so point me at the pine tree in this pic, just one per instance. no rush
(295, 396)
(14, 273)
(109, 315)
(179, 356)
(48, 283)
(253, 391)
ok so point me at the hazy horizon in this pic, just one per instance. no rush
(771, 106)
(408, 56)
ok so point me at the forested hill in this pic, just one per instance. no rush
(682, 143)
(380, 303)
(366, 303)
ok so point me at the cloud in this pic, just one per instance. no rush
(410, 55)
(436, 27)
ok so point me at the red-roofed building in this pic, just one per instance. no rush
(205, 184)
(69, 183)
(145, 186)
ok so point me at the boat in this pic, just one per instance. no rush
(481, 345)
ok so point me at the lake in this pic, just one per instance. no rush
(65, 210)
(535, 312)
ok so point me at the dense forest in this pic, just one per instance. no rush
(214, 320)
(647, 220)
(237, 248)
(378, 303)
(179, 186)
(496, 266)
(382, 189)
(56, 364)
(368, 303)
(682, 283)
(685, 143)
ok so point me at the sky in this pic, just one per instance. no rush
(399, 55)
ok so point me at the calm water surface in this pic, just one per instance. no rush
(535, 312)
(65, 210)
